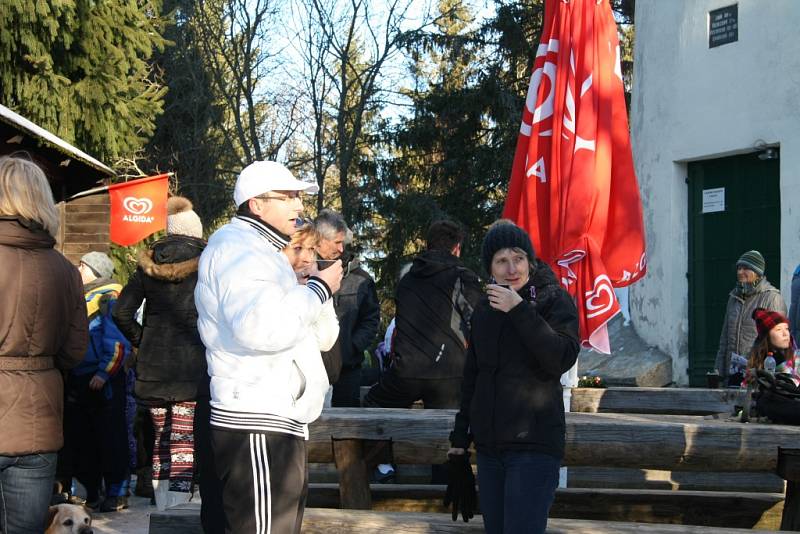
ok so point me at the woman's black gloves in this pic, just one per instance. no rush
(460, 486)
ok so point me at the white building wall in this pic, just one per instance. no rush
(692, 102)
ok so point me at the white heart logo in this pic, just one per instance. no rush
(137, 206)
(601, 298)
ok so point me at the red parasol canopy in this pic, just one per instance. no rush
(573, 185)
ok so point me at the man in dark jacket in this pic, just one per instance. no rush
(357, 309)
(434, 307)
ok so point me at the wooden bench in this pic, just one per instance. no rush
(676, 401)
(740, 510)
(185, 519)
(632, 478)
(606, 477)
(667, 442)
(318, 521)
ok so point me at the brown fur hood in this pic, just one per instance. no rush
(171, 272)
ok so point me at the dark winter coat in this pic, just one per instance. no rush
(435, 302)
(359, 313)
(511, 393)
(171, 361)
(43, 330)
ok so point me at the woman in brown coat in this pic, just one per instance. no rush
(43, 330)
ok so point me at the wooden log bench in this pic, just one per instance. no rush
(632, 478)
(740, 510)
(606, 477)
(185, 519)
(676, 401)
(665, 442)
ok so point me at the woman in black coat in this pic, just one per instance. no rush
(171, 373)
(524, 337)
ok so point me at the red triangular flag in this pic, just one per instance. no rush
(138, 208)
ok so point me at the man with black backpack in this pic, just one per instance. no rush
(434, 306)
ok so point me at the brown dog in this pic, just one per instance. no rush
(69, 519)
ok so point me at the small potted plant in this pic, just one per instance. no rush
(591, 381)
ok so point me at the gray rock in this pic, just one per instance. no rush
(631, 362)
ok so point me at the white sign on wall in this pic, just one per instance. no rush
(714, 200)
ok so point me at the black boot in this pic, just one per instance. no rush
(144, 482)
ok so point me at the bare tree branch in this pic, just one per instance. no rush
(237, 43)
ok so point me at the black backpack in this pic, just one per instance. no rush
(778, 398)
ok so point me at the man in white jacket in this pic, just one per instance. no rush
(267, 377)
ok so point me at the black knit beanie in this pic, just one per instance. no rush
(505, 235)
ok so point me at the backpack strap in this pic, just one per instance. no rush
(463, 323)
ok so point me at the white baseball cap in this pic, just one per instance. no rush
(262, 176)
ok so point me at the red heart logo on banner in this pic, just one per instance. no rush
(138, 209)
(138, 206)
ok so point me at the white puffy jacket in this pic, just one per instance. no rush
(262, 332)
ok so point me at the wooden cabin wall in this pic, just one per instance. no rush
(84, 226)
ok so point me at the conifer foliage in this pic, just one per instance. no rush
(451, 156)
(189, 139)
(79, 68)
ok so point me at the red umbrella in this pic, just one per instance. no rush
(573, 186)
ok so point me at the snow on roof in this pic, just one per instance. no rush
(18, 121)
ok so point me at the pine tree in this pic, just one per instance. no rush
(79, 68)
(188, 140)
(452, 156)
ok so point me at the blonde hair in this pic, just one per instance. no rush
(306, 232)
(25, 192)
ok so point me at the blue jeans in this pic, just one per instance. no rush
(516, 490)
(26, 484)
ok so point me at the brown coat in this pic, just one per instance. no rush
(43, 329)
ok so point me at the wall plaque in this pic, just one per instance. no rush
(723, 26)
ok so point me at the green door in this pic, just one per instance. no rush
(719, 232)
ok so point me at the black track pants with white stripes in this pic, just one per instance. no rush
(264, 479)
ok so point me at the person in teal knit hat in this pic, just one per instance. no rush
(752, 291)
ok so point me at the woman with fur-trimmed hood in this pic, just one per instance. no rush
(171, 375)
